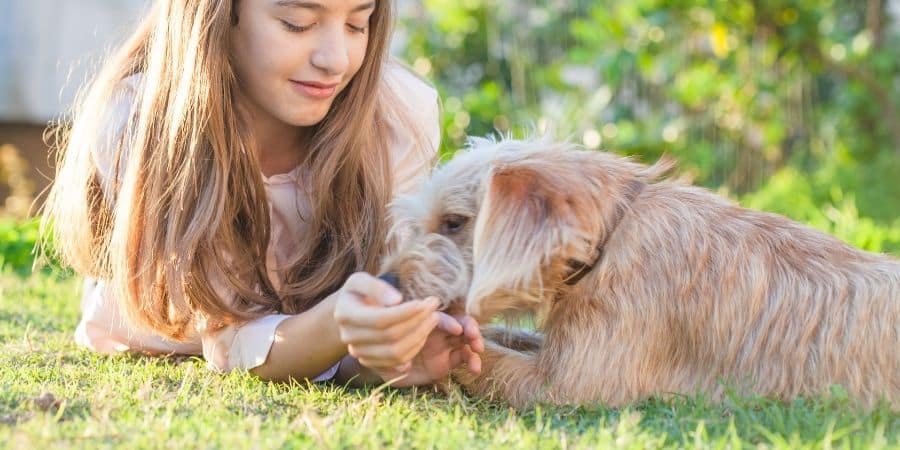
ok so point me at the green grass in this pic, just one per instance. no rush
(144, 402)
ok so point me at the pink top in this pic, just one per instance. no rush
(102, 327)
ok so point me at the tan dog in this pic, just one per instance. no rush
(641, 286)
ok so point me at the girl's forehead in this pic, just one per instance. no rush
(325, 6)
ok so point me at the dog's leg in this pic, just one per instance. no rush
(513, 338)
(507, 375)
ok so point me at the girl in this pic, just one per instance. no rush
(223, 188)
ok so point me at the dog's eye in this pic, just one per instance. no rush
(453, 223)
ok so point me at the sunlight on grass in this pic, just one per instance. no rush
(143, 402)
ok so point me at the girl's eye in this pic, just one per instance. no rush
(356, 29)
(294, 28)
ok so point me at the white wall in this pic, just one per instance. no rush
(47, 47)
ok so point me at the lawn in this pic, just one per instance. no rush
(141, 402)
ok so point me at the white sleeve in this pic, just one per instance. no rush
(411, 164)
(246, 346)
(103, 329)
(117, 115)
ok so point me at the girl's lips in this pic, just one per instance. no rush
(314, 90)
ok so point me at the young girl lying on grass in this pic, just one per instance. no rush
(223, 189)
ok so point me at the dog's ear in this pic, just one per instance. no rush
(524, 218)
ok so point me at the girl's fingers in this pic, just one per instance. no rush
(394, 372)
(370, 336)
(411, 345)
(383, 366)
(474, 363)
(473, 333)
(469, 334)
(467, 356)
(458, 356)
(396, 353)
(360, 314)
(372, 289)
(456, 341)
(449, 324)
(380, 366)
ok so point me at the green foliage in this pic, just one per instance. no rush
(789, 193)
(19, 249)
(736, 91)
(17, 241)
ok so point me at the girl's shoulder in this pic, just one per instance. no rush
(411, 89)
(119, 110)
(122, 103)
(413, 125)
(399, 72)
(124, 96)
(131, 83)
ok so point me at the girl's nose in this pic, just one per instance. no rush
(330, 55)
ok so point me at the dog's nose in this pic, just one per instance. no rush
(391, 278)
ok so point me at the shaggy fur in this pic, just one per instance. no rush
(691, 293)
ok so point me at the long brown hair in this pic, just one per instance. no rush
(189, 210)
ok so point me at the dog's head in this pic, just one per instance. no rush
(501, 227)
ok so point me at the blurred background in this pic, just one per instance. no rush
(791, 106)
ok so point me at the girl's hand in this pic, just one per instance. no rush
(382, 333)
(455, 341)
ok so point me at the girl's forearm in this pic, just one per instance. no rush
(305, 345)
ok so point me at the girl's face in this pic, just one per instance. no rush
(293, 57)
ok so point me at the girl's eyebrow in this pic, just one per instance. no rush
(318, 6)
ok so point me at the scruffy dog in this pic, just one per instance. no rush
(641, 286)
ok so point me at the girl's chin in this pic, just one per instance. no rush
(305, 123)
(307, 118)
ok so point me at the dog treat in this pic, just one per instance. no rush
(391, 279)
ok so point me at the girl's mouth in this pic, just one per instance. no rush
(315, 89)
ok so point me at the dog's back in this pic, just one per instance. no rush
(760, 301)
